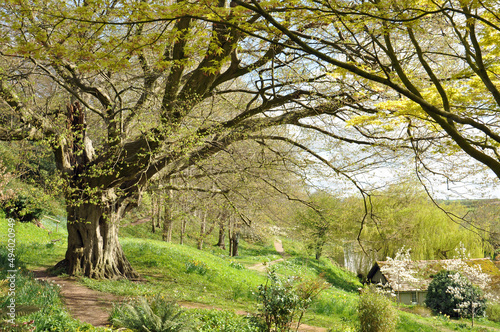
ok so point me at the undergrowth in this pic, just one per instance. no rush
(155, 314)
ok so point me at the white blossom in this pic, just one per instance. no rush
(401, 268)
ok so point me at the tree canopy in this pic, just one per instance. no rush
(125, 91)
(423, 72)
(121, 91)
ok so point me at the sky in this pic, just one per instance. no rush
(467, 181)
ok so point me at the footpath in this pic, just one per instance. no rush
(94, 307)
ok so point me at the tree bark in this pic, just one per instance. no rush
(168, 222)
(203, 226)
(235, 240)
(183, 230)
(93, 247)
(155, 211)
(319, 251)
(222, 236)
(93, 210)
(230, 235)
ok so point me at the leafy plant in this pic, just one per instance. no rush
(194, 266)
(284, 299)
(22, 207)
(376, 313)
(452, 294)
(154, 315)
(236, 265)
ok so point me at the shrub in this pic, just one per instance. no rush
(493, 312)
(376, 312)
(285, 298)
(279, 301)
(27, 203)
(22, 207)
(452, 294)
(155, 315)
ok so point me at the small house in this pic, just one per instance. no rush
(415, 291)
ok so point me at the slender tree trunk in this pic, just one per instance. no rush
(154, 211)
(203, 227)
(234, 238)
(318, 254)
(183, 230)
(168, 223)
(93, 247)
(222, 236)
(230, 235)
(319, 248)
(235, 243)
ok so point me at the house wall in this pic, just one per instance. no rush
(377, 278)
(406, 297)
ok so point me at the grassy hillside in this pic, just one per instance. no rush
(209, 278)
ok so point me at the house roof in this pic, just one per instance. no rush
(425, 271)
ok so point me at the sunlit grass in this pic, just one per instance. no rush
(185, 274)
(168, 269)
(35, 246)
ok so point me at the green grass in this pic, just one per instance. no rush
(308, 267)
(166, 268)
(35, 246)
(221, 320)
(37, 303)
(211, 277)
(409, 322)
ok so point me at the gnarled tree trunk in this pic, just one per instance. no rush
(93, 247)
(94, 209)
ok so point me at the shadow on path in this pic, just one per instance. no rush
(84, 304)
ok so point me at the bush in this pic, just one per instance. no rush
(27, 203)
(451, 293)
(155, 315)
(493, 312)
(376, 312)
(284, 298)
(21, 207)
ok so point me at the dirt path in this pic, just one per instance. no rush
(84, 304)
(93, 307)
(278, 246)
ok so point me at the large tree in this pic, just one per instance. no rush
(121, 90)
(431, 68)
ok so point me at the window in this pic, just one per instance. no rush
(414, 297)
